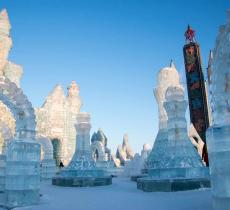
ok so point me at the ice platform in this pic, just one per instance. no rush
(171, 185)
(81, 181)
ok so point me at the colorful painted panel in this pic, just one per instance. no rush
(196, 89)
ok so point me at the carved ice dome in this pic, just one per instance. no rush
(168, 75)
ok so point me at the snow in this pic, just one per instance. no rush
(121, 195)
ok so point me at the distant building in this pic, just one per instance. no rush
(56, 119)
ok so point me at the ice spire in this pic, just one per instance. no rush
(73, 89)
(5, 39)
(4, 22)
(73, 97)
(172, 65)
(209, 69)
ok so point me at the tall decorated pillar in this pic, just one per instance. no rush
(196, 88)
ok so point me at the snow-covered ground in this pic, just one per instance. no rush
(121, 195)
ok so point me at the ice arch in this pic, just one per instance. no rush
(20, 107)
(47, 147)
(47, 163)
(56, 143)
(98, 150)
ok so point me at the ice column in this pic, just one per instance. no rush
(82, 170)
(82, 158)
(22, 172)
(181, 157)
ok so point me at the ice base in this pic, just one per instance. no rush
(77, 176)
(174, 179)
(155, 157)
(82, 178)
(22, 180)
(218, 141)
(171, 185)
(48, 168)
(171, 173)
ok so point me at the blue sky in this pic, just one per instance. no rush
(113, 49)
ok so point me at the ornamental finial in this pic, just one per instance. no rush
(189, 35)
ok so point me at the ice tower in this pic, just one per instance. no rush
(166, 77)
(218, 138)
(179, 167)
(82, 170)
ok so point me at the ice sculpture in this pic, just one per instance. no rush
(180, 167)
(145, 151)
(136, 167)
(218, 139)
(56, 119)
(180, 154)
(82, 170)
(100, 151)
(167, 76)
(7, 69)
(133, 167)
(22, 154)
(22, 183)
(48, 166)
(124, 151)
(196, 140)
